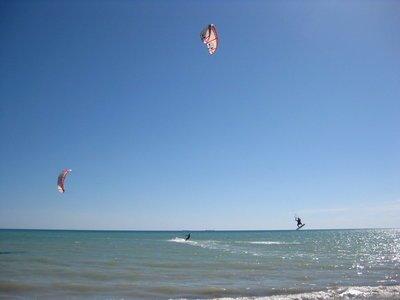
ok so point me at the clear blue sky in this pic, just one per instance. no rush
(298, 112)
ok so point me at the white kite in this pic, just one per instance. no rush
(61, 180)
(209, 36)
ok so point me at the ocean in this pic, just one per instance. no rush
(304, 264)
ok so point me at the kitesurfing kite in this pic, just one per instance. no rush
(61, 180)
(209, 36)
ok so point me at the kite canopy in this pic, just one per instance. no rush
(61, 180)
(209, 37)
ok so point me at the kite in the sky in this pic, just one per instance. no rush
(209, 36)
(61, 180)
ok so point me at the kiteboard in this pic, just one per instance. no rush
(300, 226)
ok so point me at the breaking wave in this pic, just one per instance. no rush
(342, 293)
(215, 245)
(273, 243)
(202, 244)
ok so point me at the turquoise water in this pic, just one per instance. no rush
(307, 264)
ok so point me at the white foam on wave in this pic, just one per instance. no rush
(214, 245)
(178, 240)
(273, 243)
(183, 241)
(342, 293)
(202, 244)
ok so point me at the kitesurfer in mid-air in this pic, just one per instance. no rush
(187, 237)
(298, 220)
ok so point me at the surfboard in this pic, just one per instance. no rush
(300, 226)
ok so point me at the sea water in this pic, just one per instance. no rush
(304, 264)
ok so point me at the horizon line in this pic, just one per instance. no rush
(194, 230)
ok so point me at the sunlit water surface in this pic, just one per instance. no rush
(306, 264)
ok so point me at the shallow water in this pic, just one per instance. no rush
(306, 264)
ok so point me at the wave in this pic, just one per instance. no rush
(343, 293)
(214, 245)
(12, 287)
(12, 252)
(203, 244)
(179, 240)
(273, 243)
(207, 244)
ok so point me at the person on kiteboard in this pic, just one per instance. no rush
(187, 237)
(298, 220)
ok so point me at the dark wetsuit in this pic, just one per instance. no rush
(299, 222)
(187, 237)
